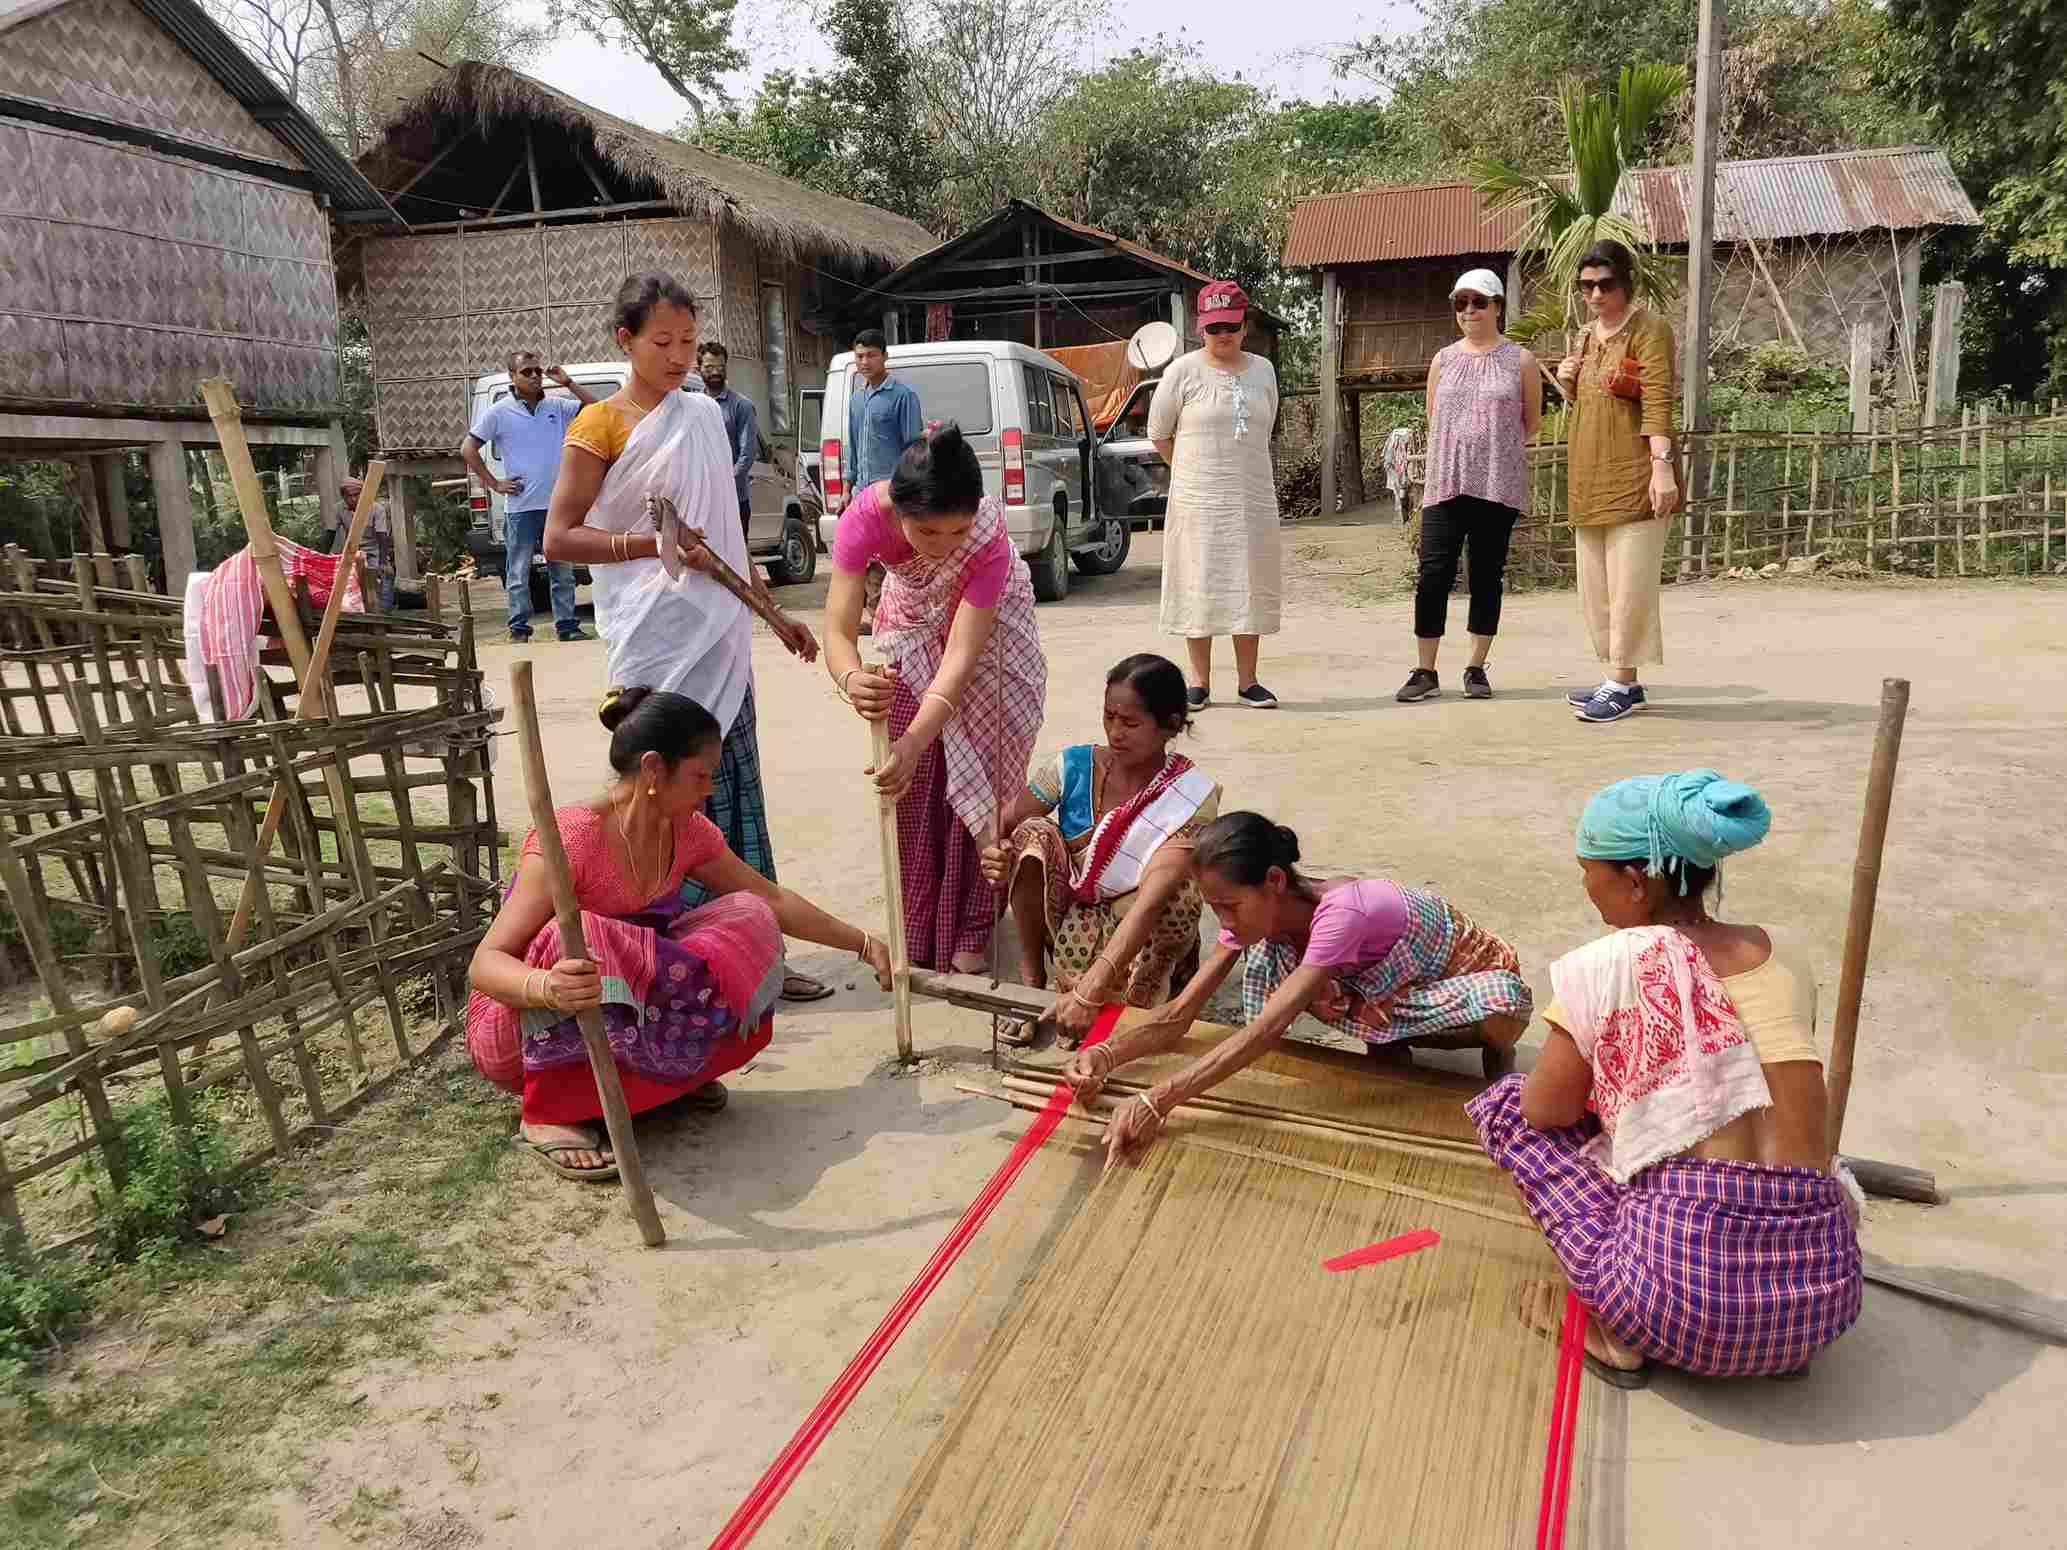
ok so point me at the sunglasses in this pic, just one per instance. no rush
(1468, 302)
(1603, 286)
(530, 371)
(1223, 328)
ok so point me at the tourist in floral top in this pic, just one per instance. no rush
(1484, 403)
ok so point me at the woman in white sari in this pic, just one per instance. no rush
(684, 634)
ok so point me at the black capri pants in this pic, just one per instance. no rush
(1445, 530)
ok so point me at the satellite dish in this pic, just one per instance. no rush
(1153, 347)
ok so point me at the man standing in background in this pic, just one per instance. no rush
(883, 418)
(526, 430)
(742, 427)
(376, 544)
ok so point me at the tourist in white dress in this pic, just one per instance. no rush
(1223, 567)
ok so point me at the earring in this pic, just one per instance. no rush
(653, 791)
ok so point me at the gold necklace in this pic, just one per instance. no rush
(631, 855)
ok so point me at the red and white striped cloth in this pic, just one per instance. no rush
(232, 600)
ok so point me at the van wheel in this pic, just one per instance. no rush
(1051, 566)
(1115, 538)
(798, 561)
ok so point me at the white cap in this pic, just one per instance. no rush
(1482, 281)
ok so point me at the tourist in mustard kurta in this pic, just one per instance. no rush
(1620, 381)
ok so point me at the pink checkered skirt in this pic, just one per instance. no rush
(1726, 1269)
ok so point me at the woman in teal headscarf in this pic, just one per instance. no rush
(1672, 1141)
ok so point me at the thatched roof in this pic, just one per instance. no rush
(779, 213)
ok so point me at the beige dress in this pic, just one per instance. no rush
(1223, 568)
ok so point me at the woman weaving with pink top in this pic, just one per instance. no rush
(1396, 966)
(965, 687)
(1672, 1141)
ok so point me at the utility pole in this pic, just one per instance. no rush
(1701, 252)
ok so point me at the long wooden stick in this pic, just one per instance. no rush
(1873, 835)
(893, 889)
(617, 1114)
(313, 698)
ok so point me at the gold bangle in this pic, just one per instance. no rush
(840, 683)
(1149, 1104)
(934, 694)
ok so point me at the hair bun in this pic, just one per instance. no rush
(1288, 847)
(620, 703)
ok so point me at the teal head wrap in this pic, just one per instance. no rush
(1666, 821)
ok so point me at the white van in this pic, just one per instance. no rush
(1023, 412)
(782, 528)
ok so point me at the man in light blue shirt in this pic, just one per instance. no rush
(883, 415)
(526, 430)
(883, 418)
(742, 425)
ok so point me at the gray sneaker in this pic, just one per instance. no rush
(1421, 684)
(1477, 686)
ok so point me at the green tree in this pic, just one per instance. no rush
(1568, 214)
(689, 42)
(858, 130)
(1990, 78)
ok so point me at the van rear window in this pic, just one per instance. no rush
(948, 390)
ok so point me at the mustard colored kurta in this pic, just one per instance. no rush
(1611, 459)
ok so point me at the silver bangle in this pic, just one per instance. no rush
(1149, 1104)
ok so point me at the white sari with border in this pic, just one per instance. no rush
(689, 635)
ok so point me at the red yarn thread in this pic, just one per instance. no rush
(796, 1453)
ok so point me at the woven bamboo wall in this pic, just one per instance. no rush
(126, 275)
(107, 58)
(449, 307)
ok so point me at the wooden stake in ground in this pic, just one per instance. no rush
(309, 702)
(1873, 835)
(893, 888)
(617, 1115)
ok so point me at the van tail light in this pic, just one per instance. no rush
(829, 471)
(1015, 468)
(477, 499)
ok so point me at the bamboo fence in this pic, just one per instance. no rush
(1984, 497)
(132, 823)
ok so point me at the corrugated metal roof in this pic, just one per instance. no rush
(1795, 196)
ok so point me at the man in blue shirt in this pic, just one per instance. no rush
(526, 430)
(742, 428)
(882, 415)
(883, 419)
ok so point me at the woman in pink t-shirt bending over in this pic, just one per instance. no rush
(1393, 965)
(964, 688)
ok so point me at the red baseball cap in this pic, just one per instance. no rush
(1222, 301)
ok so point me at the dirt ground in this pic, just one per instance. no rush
(641, 1416)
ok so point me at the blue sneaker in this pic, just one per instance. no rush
(1580, 696)
(1612, 704)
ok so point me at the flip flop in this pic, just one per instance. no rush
(818, 991)
(1619, 1377)
(544, 1151)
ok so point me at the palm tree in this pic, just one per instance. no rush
(1569, 212)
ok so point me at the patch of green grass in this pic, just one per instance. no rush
(215, 1366)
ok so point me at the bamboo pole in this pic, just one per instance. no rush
(1873, 834)
(893, 887)
(617, 1115)
(314, 694)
